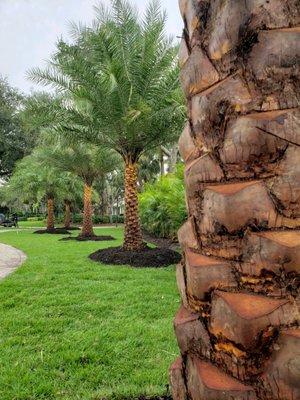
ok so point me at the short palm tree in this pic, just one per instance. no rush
(33, 181)
(89, 163)
(71, 195)
(121, 76)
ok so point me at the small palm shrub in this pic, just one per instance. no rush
(162, 205)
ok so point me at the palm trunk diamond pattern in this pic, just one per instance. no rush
(238, 325)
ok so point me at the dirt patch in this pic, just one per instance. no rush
(88, 239)
(55, 231)
(145, 258)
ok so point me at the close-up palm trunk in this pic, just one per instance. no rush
(238, 325)
(133, 234)
(50, 213)
(68, 218)
(87, 223)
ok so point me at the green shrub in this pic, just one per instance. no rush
(32, 219)
(118, 219)
(77, 218)
(162, 205)
(101, 219)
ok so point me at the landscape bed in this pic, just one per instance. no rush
(71, 328)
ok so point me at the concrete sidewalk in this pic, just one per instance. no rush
(10, 259)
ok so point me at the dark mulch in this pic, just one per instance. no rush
(163, 397)
(72, 228)
(56, 231)
(147, 257)
(161, 242)
(143, 397)
(88, 239)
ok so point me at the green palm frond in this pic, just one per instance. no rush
(121, 78)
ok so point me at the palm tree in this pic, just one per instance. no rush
(121, 76)
(238, 326)
(32, 182)
(89, 163)
(71, 196)
(111, 193)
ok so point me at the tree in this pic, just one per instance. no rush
(14, 141)
(33, 182)
(71, 194)
(121, 75)
(238, 327)
(111, 192)
(89, 163)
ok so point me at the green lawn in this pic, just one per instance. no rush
(74, 329)
(30, 224)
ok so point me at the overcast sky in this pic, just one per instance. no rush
(29, 29)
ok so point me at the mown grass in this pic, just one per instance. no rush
(30, 224)
(74, 329)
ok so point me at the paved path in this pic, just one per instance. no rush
(10, 259)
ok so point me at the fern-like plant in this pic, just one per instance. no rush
(162, 205)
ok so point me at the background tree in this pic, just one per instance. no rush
(238, 327)
(33, 182)
(14, 141)
(72, 193)
(89, 163)
(111, 193)
(121, 74)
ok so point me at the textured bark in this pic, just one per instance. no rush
(133, 234)
(68, 217)
(177, 380)
(87, 223)
(239, 280)
(50, 213)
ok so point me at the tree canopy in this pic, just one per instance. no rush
(121, 76)
(14, 141)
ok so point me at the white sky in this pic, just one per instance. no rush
(29, 29)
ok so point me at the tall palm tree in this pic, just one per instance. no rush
(89, 163)
(238, 326)
(121, 76)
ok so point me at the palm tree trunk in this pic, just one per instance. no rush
(68, 218)
(50, 213)
(173, 158)
(87, 223)
(133, 234)
(161, 162)
(238, 326)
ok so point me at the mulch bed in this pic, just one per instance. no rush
(164, 397)
(88, 239)
(147, 257)
(161, 242)
(72, 228)
(55, 231)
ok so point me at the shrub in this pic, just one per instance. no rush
(101, 219)
(77, 218)
(162, 205)
(32, 219)
(118, 219)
